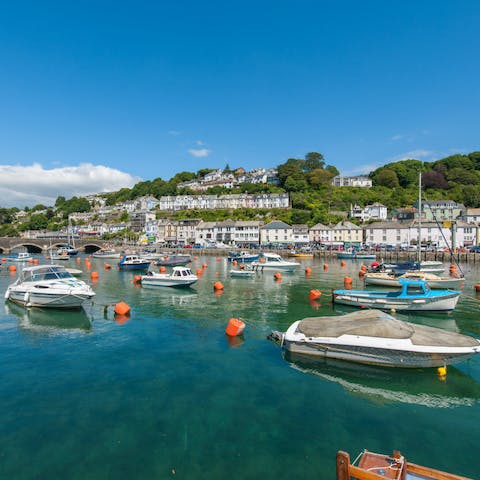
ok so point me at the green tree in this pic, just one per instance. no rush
(313, 161)
(388, 178)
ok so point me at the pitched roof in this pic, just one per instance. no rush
(276, 225)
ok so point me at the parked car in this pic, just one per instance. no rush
(474, 249)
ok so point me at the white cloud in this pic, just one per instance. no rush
(413, 154)
(173, 133)
(200, 143)
(398, 136)
(199, 152)
(363, 169)
(30, 185)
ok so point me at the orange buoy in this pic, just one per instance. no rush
(315, 294)
(195, 258)
(361, 273)
(343, 263)
(363, 268)
(235, 327)
(12, 268)
(347, 280)
(325, 266)
(4, 259)
(137, 279)
(122, 308)
(277, 276)
(204, 265)
(477, 287)
(218, 259)
(234, 263)
(78, 260)
(348, 286)
(218, 286)
(308, 271)
(199, 271)
(30, 260)
(35, 261)
(261, 260)
(94, 275)
(162, 269)
(107, 266)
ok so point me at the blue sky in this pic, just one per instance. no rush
(116, 91)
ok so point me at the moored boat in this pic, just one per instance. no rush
(371, 466)
(242, 257)
(390, 280)
(179, 277)
(20, 257)
(376, 338)
(414, 295)
(354, 255)
(108, 253)
(173, 259)
(273, 261)
(132, 262)
(48, 286)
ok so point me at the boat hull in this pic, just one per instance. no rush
(445, 303)
(377, 356)
(47, 300)
(393, 282)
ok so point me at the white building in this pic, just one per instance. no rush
(358, 181)
(346, 233)
(320, 234)
(276, 233)
(300, 235)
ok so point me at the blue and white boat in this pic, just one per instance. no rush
(414, 295)
(133, 262)
(20, 257)
(242, 257)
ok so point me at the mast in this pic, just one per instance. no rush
(419, 241)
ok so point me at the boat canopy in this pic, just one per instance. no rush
(47, 272)
(374, 323)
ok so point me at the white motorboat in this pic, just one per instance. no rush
(434, 281)
(48, 286)
(179, 277)
(376, 338)
(414, 295)
(242, 272)
(59, 254)
(432, 266)
(273, 261)
(20, 257)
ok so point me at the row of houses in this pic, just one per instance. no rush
(277, 233)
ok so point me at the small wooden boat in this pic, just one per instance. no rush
(385, 279)
(376, 338)
(414, 295)
(375, 466)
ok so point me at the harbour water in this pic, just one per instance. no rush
(166, 394)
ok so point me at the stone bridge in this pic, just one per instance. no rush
(42, 245)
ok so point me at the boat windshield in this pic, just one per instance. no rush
(47, 273)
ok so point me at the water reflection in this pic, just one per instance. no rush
(387, 385)
(42, 319)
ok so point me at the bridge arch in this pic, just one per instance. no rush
(30, 247)
(91, 247)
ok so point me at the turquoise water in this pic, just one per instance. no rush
(167, 395)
